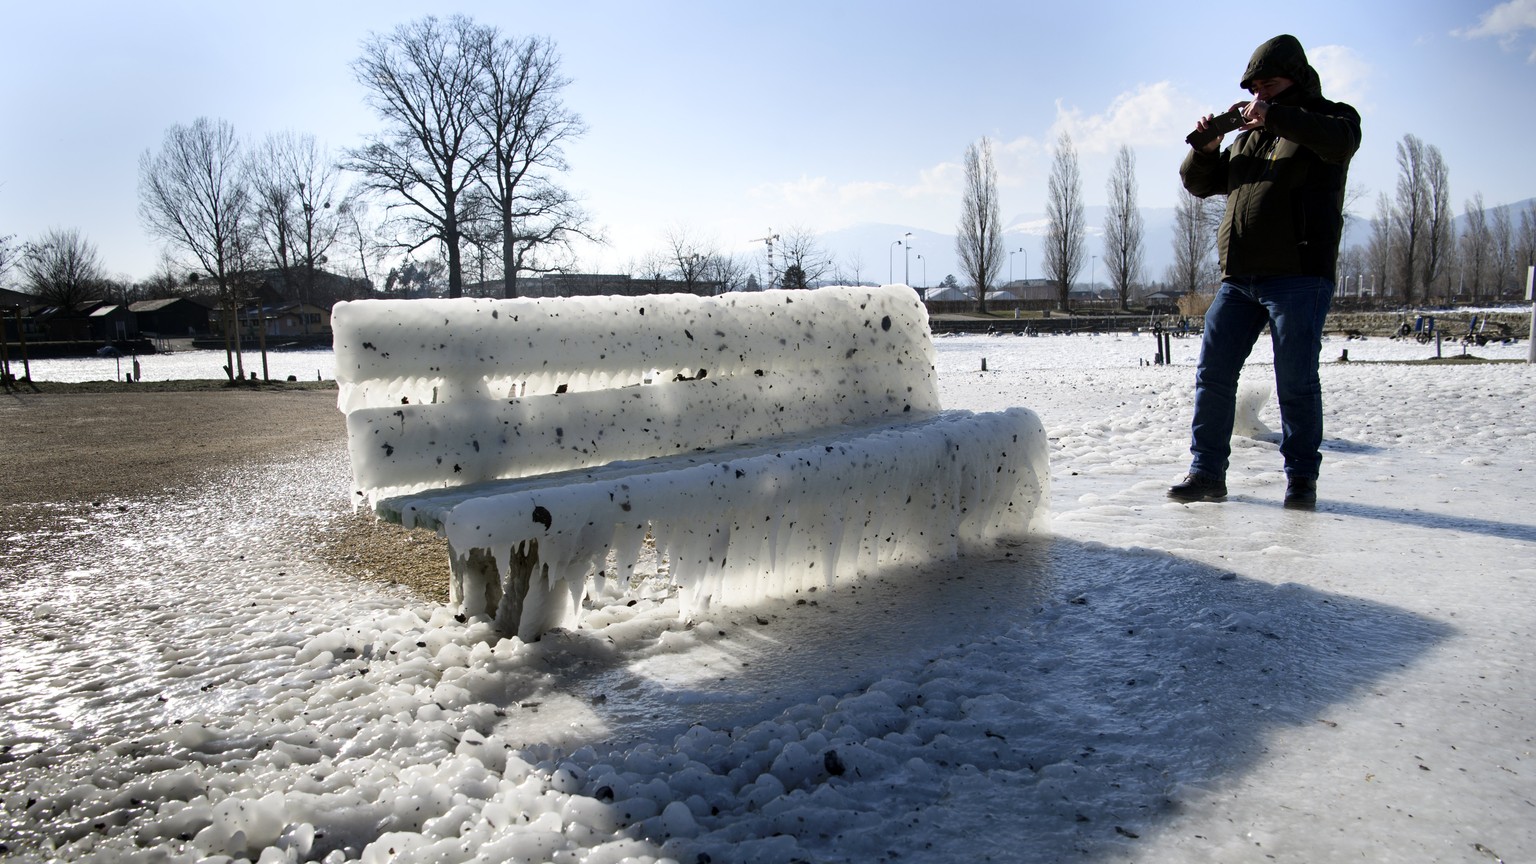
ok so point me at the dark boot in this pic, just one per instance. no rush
(1199, 487)
(1300, 494)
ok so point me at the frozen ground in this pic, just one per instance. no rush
(1151, 682)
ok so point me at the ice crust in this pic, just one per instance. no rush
(768, 443)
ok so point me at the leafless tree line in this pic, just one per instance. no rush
(1415, 256)
(698, 265)
(234, 210)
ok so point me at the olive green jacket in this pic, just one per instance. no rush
(1284, 181)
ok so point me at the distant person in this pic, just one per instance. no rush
(1284, 180)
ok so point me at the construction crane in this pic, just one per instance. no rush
(768, 241)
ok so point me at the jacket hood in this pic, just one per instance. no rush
(1283, 57)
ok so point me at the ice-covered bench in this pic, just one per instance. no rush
(767, 442)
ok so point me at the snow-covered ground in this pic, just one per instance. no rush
(181, 680)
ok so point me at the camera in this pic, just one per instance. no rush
(1220, 125)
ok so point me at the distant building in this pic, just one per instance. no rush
(112, 322)
(91, 321)
(321, 288)
(1029, 290)
(174, 317)
(1165, 302)
(297, 319)
(947, 292)
(16, 298)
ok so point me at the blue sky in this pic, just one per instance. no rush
(725, 119)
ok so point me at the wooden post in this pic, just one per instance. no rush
(5, 352)
(21, 340)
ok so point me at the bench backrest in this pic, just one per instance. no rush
(448, 392)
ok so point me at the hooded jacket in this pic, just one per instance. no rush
(1284, 181)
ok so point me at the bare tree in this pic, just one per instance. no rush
(166, 282)
(1439, 233)
(1476, 249)
(1065, 235)
(423, 79)
(1353, 195)
(1410, 218)
(1351, 265)
(1123, 228)
(359, 237)
(727, 272)
(8, 255)
(799, 247)
(272, 206)
(979, 237)
(193, 194)
(62, 268)
(1380, 252)
(654, 267)
(854, 263)
(1506, 265)
(296, 188)
(526, 126)
(1195, 263)
(689, 259)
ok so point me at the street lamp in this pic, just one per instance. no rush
(925, 269)
(906, 256)
(1093, 273)
(890, 261)
(1010, 263)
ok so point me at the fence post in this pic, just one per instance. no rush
(1530, 294)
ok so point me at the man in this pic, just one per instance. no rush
(1279, 241)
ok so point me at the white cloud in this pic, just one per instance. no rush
(1152, 115)
(823, 203)
(867, 190)
(944, 179)
(1346, 76)
(1506, 22)
(1021, 162)
(794, 193)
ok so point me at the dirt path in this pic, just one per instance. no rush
(81, 447)
(73, 450)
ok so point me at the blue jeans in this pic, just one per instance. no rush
(1294, 307)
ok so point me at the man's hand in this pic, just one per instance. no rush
(1255, 111)
(1204, 123)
